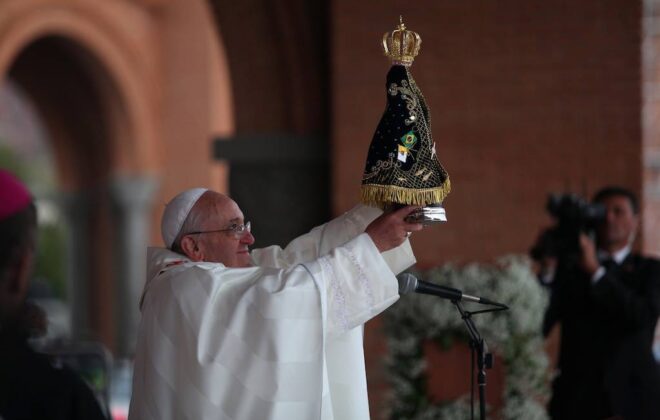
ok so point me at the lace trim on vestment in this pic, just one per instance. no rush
(362, 278)
(356, 226)
(340, 299)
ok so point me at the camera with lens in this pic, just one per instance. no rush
(574, 212)
(573, 215)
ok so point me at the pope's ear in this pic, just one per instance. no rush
(190, 248)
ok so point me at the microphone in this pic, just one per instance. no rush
(409, 284)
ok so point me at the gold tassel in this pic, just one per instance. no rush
(381, 195)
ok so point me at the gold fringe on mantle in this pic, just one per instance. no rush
(381, 195)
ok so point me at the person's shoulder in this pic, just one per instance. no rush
(211, 274)
(654, 263)
(646, 262)
(75, 395)
(647, 258)
(54, 391)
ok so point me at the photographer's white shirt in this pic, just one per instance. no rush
(618, 258)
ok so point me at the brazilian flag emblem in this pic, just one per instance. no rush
(409, 139)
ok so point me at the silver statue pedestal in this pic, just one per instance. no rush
(429, 215)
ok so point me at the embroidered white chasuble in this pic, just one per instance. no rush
(278, 341)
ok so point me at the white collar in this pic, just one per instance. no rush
(618, 256)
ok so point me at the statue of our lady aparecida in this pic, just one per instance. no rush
(402, 164)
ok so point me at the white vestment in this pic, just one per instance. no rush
(278, 341)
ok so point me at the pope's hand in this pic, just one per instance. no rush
(390, 229)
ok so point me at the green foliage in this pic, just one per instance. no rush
(514, 335)
(10, 161)
(51, 258)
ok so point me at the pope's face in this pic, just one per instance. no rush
(227, 247)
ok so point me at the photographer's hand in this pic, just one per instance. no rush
(588, 260)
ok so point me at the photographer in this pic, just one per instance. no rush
(607, 300)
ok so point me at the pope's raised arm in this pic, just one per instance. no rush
(318, 241)
(322, 239)
(226, 334)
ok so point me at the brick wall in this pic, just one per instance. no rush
(526, 98)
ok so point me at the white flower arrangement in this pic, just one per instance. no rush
(513, 335)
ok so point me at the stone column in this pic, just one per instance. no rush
(651, 128)
(132, 198)
(75, 207)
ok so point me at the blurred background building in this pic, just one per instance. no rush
(109, 108)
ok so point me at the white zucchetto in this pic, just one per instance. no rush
(176, 212)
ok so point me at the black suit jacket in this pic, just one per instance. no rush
(32, 389)
(606, 362)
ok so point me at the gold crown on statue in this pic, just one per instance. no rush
(401, 45)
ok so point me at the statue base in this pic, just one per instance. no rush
(429, 215)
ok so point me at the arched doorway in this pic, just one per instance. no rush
(87, 125)
(138, 100)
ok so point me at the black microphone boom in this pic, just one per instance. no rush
(409, 284)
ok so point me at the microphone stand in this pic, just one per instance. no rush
(484, 360)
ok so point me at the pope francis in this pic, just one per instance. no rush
(230, 333)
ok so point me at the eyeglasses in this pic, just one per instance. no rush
(238, 230)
